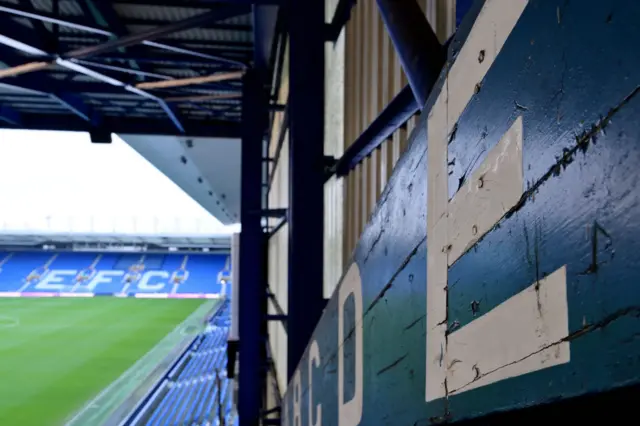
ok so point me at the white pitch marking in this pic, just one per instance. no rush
(449, 225)
(8, 322)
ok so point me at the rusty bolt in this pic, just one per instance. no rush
(475, 305)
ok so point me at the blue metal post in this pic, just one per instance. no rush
(420, 52)
(252, 283)
(306, 179)
(394, 115)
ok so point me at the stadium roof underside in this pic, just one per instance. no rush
(125, 242)
(150, 67)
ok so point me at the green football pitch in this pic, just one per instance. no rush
(57, 355)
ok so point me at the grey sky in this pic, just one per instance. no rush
(60, 181)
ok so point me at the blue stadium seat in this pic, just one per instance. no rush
(106, 273)
(191, 393)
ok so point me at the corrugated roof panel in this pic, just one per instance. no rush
(24, 21)
(124, 95)
(77, 39)
(67, 7)
(239, 20)
(12, 90)
(112, 109)
(199, 34)
(41, 106)
(68, 30)
(126, 104)
(177, 72)
(13, 98)
(164, 13)
(203, 34)
(86, 79)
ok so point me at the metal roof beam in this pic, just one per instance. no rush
(133, 125)
(48, 17)
(220, 12)
(76, 105)
(104, 11)
(340, 18)
(416, 44)
(73, 103)
(264, 29)
(150, 57)
(29, 39)
(125, 70)
(197, 4)
(77, 67)
(231, 45)
(212, 26)
(40, 86)
(190, 52)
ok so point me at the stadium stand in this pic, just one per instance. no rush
(134, 274)
(196, 391)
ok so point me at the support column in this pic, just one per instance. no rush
(306, 177)
(416, 44)
(252, 288)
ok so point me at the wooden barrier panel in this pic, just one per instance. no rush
(523, 172)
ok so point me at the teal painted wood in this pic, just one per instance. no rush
(569, 71)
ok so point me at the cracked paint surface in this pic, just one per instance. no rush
(580, 207)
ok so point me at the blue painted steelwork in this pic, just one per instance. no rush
(120, 36)
(76, 105)
(69, 64)
(567, 71)
(253, 284)
(145, 61)
(401, 108)
(135, 125)
(306, 174)
(10, 115)
(340, 18)
(416, 44)
(50, 18)
(264, 30)
(282, 132)
(220, 12)
(462, 7)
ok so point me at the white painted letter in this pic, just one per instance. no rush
(510, 334)
(297, 397)
(103, 277)
(143, 284)
(350, 412)
(54, 280)
(314, 359)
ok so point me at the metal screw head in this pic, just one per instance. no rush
(481, 56)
